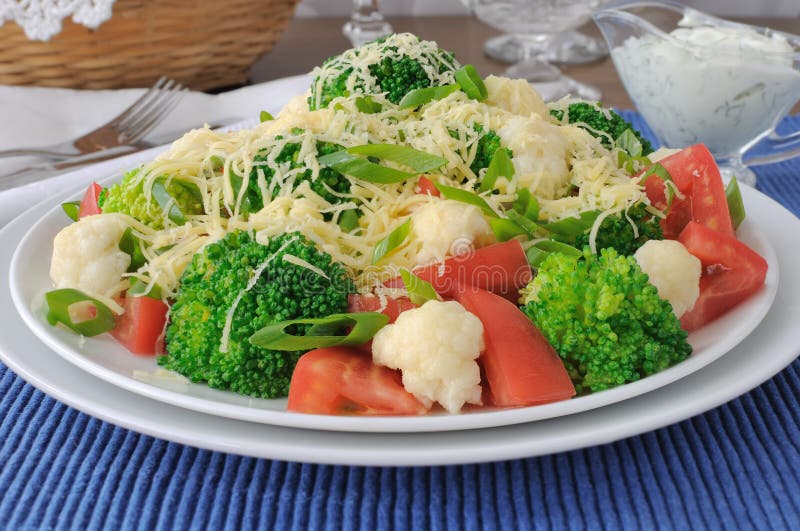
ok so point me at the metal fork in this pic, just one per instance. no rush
(127, 128)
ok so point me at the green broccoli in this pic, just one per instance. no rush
(216, 283)
(487, 145)
(398, 64)
(616, 231)
(604, 319)
(128, 197)
(327, 178)
(604, 124)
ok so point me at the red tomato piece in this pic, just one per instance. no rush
(697, 177)
(344, 381)
(521, 367)
(426, 186)
(372, 303)
(141, 328)
(89, 206)
(732, 271)
(501, 268)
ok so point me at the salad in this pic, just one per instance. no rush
(408, 237)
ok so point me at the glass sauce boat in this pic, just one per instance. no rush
(696, 78)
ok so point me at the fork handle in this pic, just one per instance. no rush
(52, 155)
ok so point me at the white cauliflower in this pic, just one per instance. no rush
(444, 228)
(435, 347)
(673, 271)
(516, 96)
(540, 154)
(662, 153)
(87, 257)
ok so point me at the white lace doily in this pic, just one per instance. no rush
(41, 19)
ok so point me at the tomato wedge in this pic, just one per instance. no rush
(344, 381)
(501, 268)
(89, 206)
(732, 271)
(426, 187)
(372, 303)
(521, 367)
(697, 177)
(141, 328)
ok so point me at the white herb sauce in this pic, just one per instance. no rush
(723, 86)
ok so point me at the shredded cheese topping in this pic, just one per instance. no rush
(565, 167)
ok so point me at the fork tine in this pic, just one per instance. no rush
(136, 106)
(154, 108)
(147, 122)
(144, 102)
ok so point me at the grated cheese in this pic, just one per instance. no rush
(551, 159)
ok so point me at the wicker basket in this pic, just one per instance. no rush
(204, 44)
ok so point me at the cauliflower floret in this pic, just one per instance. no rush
(444, 228)
(87, 257)
(435, 347)
(661, 153)
(673, 271)
(540, 154)
(516, 96)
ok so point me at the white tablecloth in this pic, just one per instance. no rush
(34, 116)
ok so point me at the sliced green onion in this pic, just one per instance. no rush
(348, 220)
(72, 209)
(165, 199)
(367, 105)
(529, 227)
(465, 196)
(526, 204)
(245, 207)
(407, 156)
(139, 288)
(324, 332)
(504, 229)
(471, 83)
(419, 291)
(132, 246)
(629, 143)
(59, 302)
(265, 117)
(660, 171)
(348, 164)
(540, 250)
(572, 227)
(735, 203)
(421, 96)
(391, 242)
(499, 166)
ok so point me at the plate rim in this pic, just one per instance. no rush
(624, 419)
(49, 208)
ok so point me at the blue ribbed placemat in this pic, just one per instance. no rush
(737, 466)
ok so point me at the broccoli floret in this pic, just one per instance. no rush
(613, 125)
(402, 62)
(487, 145)
(327, 178)
(604, 319)
(217, 279)
(616, 231)
(128, 197)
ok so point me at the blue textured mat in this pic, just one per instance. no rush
(737, 466)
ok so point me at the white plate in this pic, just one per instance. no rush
(109, 361)
(772, 346)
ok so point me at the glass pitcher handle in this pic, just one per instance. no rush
(782, 147)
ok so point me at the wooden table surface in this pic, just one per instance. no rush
(308, 42)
